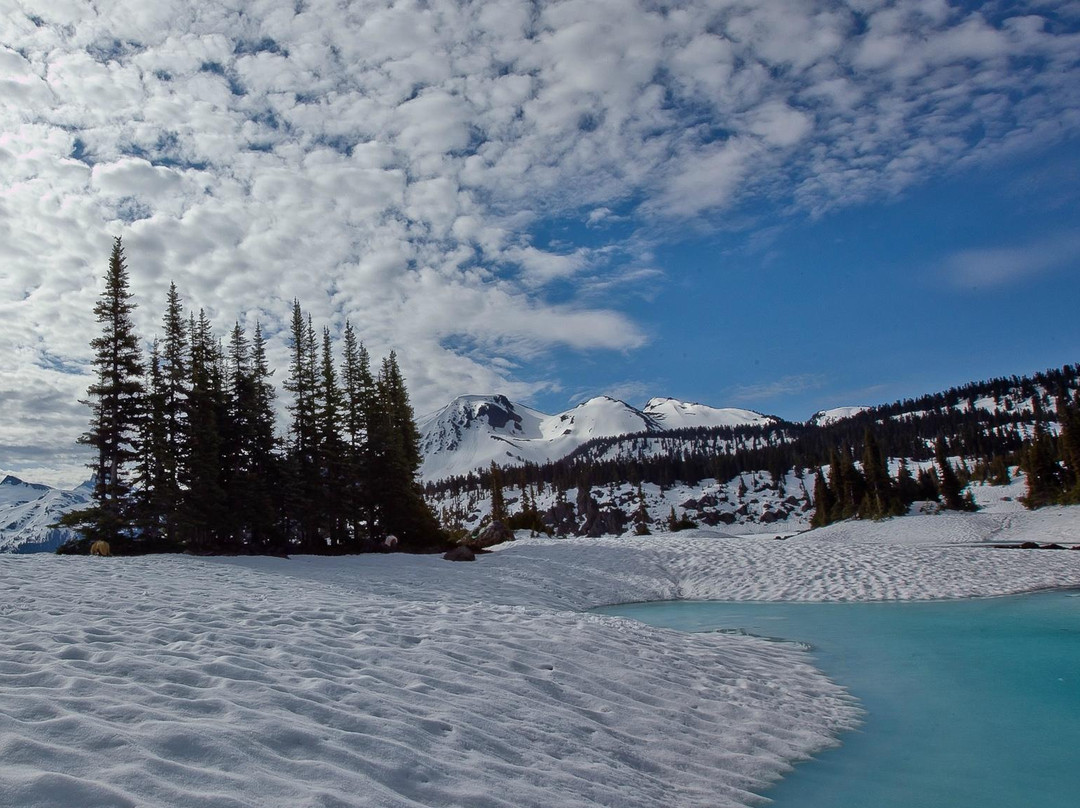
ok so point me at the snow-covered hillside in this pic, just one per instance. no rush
(28, 509)
(671, 413)
(472, 431)
(826, 417)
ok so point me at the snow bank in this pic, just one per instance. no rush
(411, 681)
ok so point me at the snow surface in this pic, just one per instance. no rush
(472, 431)
(674, 414)
(826, 417)
(394, 680)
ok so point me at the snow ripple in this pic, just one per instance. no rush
(392, 680)
(175, 681)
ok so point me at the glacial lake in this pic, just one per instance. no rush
(969, 703)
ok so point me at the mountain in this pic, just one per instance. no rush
(671, 413)
(28, 509)
(755, 473)
(826, 417)
(472, 431)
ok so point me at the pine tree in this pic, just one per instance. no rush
(151, 481)
(359, 409)
(1069, 448)
(642, 519)
(401, 508)
(205, 517)
(949, 484)
(824, 502)
(116, 401)
(1041, 470)
(907, 490)
(303, 471)
(267, 500)
(330, 450)
(498, 503)
(880, 499)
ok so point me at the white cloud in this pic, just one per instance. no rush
(998, 266)
(386, 161)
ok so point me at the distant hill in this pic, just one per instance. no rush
(28, 509)
(472, 431)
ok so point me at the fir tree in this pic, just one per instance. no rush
(302, 466)
(116, 402)
(1069, 448)
(360, 402)
(949, 485)
(879, 499)
(267, 500)
(401, 508)
(824, 502)
(204, 514)
(498, 503)
(330, 449)
(642, 519)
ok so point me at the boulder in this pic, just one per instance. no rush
(495, 533)
(460, 553)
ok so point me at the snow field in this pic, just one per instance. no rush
(173, 681)
(392, 680)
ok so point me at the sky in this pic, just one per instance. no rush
(782, 206)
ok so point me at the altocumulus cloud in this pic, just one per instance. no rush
(387, 162)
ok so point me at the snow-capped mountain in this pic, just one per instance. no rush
(826, 417)
(472, 431)
(28, 509)
(671, 413)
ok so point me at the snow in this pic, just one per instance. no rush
(674, 414)
(395, 680)
(472, 431)
(826, 417)
(28, 511)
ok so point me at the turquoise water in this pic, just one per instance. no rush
(970, 703)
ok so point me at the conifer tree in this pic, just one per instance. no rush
(204, 513)
(642, 519)
(907, 490)
(116, 402)
(879, 499)
(1069, 445)
(359, 404)
(267, 500)
(330, 449)
(303, 468)
(824, 502)
(949, 484)
(1041, 470)
(152, 508)
(402, 510)
(498, 503)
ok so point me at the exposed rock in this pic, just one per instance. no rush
(495, 533)
(460, 553)
(561, 518)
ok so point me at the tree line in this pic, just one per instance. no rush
(1034, 423)
(187, 454)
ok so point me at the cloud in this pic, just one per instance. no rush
(390, 162)
(1000, 266)
(784, 386)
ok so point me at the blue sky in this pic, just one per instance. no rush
(972, 275)
(779, 206)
